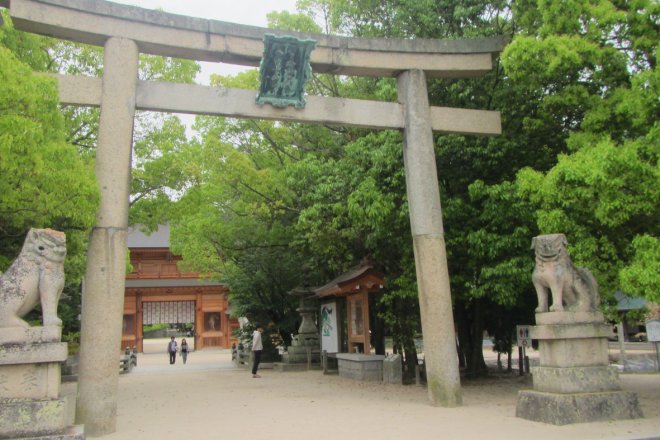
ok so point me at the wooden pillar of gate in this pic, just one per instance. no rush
(443, 378)
(103, 295)
(139, 322)
(199, 323)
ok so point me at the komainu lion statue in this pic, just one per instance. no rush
(574, 288)
(36, 275)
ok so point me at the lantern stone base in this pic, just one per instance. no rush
(564, 409)
(284, 367)
(304, 349)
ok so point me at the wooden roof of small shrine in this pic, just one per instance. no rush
(356, 280)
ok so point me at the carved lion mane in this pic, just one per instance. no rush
(36, 275)
(572, 287)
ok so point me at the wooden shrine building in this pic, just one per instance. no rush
(345, 311)
(158, 292)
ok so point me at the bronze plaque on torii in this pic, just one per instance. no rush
(284, 70)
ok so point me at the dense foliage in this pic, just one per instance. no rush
(254, 202)
(47, 152)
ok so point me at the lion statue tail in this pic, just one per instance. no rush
(592, 287)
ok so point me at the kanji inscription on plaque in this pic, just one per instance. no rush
(284, 70)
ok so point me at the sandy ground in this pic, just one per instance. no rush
(209, 398)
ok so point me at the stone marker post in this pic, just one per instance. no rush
(442, 373)
(103, 295)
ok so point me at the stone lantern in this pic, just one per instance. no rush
(305, 346)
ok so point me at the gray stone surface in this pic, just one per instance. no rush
(361, 367)
(35, 277)
(556, 318)
(76, 432)
(287, 367)
(574, 382)
(572, 287)
(31, 371)
(198, 99)
(564, 409)
(572, 331)
(393, 369)
(160, 33)
(575, 379)
(12, 354)
(32, 417)
(574, 352)
(103, 295)
(443, 378)
(16, 335)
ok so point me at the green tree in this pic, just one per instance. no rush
(593, 67)
(45, 183)
(48, 152)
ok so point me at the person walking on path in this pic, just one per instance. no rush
(257, 347)
(172, 349)
(184, 350)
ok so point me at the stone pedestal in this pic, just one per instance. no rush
(393, 369)
(361, 367)
(305, 347)
(302, 346)
(30, 400)
(574, 382)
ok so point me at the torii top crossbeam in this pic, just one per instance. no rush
(161, 33)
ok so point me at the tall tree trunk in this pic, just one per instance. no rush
(476, 363)
(470, 324)
(462, 327)
(379, 326)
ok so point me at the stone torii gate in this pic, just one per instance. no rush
(126, 31)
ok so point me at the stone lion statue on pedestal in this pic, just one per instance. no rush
(573, 288)
(37, 275)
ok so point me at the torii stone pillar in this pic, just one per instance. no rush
(103, 294)
(443, 379)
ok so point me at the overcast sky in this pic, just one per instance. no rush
(252, 12)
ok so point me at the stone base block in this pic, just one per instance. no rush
(564, 409)
(298, 355)
(34, 353)
(72, 433)
(284, 367)
(578, 352)
(362, 367)
(393, 370)
(575, 380)
(30, 381)
(23, 418)
(562, 318)
(21, 335)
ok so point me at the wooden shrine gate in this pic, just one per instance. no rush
(212, 325)
(157, 292)
(125, 31)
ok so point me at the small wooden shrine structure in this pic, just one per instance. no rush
(157, 292)
(344, 304)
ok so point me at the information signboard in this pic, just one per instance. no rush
(653, 330)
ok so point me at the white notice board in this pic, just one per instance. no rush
(653, 330)
(329, 332)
